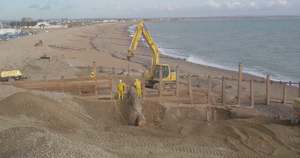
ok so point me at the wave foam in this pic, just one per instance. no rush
(174, 53)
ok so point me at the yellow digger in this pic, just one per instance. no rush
(157, 71)
(11, 75)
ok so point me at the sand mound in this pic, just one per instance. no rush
(29, 142)
(40, 108)
(39, 126)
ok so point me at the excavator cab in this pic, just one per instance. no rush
(157, 70)
(165, 72)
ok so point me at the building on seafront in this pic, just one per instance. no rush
(47, 25)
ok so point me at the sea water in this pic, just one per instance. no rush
(264, 45)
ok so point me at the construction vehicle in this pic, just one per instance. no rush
(11, 75)
(157, 71)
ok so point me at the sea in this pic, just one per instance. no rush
(264, 45)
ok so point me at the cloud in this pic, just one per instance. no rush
(50, 4)
(40, 7)
(239, 4)
(46, 7)
(145, 8)
(34, 6)
(279, 3)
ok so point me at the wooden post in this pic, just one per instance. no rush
(240, 78)
(252, 102)
(223, 91)
(299, 89)
(190, 89)
(290, 83)
(177, 81)
(113, 71)
(96, 87)
(241, 69)
(284, 94)
(268, 88)
(209, 90)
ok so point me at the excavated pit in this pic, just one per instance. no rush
(46, 125)
(177, 112)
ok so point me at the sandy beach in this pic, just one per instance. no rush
(52, 124)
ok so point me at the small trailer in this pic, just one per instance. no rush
(11, 75)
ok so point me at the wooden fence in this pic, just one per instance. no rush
(269, 91)
(193, 87)
(102, 88)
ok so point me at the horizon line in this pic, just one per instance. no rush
(162, 17)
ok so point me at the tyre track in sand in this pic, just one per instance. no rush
(135, 146)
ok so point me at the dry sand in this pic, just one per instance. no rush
(47, 124)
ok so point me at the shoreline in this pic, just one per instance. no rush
(254, 70)
(165, 55)
(107, 44)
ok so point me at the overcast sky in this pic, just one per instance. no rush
(15, 9)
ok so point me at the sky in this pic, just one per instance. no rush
(45, 9)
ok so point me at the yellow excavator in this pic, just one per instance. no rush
(157, 71)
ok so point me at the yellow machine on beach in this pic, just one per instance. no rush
(157, 71)
(11, 75)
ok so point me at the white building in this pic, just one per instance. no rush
(9, 31)
(46, 25)
(110, 21)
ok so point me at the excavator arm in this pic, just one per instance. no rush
(158, 71)
(140, 32)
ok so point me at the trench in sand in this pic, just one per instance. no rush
(48, 123)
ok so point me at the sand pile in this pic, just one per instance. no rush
(42, 109)
(43, 125)
(29, 142)
(33, 125)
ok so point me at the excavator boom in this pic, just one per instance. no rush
(158, 71)
(140, 32)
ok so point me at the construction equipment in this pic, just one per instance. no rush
(11, 75)
(157, 71)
